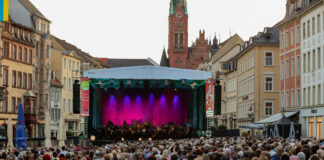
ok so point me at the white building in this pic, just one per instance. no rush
(312, 62)
(55, 103)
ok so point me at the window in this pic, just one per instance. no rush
(309, 96)
(310, 126)
(77, 66)
(304, 63)
(287, 98)
(30, 81)
(319, 94)
(269, 59)
(298, 66)
(13, 105)
(304, 98)
(69, 106)
(314, 97)
(282, 69)
(318, 23)
(13, 79)
(69, 64)
(308, 62)
(63, 105)
(292, 97)
(6, 49)
(298, 98)
(176, 40)
(73, 67)
(318, 58)
(181, 40)
(69, 84)
(19, 80)
(282, 41)
(48, 51)
(64, 82)
(292, 67)
(30, 58)
(64, 63)
(292, 36)
(70, 125)
(287, 38)
(14, 52)
(4, 108)
(18, 101)
(304, 30)
(5, 76)
(319, 127)
(20, 54)
(25, 55)
(25, 81)
(313, 25)
(268, 108)
(308, 29)
(314, 61)
(298, 34)
(287, 68)
(269, 84)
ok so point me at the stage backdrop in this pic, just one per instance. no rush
(160, 106)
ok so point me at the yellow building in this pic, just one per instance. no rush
(17, 75)
(229, 94)
(66, 65)
(258, 77)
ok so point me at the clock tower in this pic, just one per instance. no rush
(178, 34)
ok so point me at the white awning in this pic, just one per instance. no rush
(148, 73)
(276, 117)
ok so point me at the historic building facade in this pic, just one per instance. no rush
(258, 77)
(312, 62)
(179, 55)
(229, 94)
(67, 71)
(290, 56)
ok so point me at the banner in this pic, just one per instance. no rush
(85, 94)
(4, 12)
(210, 98)
(21, 129)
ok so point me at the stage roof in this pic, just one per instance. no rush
(147, 73)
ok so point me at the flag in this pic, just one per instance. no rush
(4, 12)
(21, 129)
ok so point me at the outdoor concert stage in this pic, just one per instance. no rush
(148, 94)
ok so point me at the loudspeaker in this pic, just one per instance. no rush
(76, 97)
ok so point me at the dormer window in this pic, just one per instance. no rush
(268, 36)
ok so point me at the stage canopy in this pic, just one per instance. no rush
(276, 118)
(148, 73)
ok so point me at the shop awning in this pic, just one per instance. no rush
(276, 118)
(252, 126)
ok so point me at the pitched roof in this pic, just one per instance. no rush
(56, 83)
(114, 63)
(86, 57)
(164, 59)
(32, 9)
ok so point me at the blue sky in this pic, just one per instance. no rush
(139, 28)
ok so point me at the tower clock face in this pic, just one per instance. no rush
(179, 14)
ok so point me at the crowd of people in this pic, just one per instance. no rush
(142, 130)
(186, 149)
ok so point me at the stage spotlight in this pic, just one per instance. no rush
(175, 89)
(140, 139)
(100, 84)
(193, 85)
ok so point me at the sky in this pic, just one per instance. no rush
(139, 28)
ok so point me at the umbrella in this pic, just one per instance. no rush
(10, 133)
(61, 134)
(21, 129)
(48, 142)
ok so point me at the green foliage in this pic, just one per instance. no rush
(69, 134)
(222, 127)
(213, 128)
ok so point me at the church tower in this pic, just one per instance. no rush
(178, 34)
